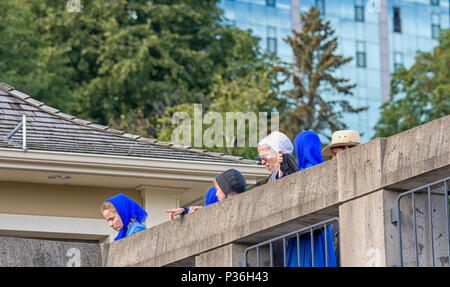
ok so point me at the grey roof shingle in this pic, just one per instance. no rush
(51, 130)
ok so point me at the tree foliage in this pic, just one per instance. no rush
(418, 94)
(255, 92)
(122, 59)
(313, 75)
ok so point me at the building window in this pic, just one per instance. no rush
(320, 4)
(361, 54)
(397, 20)
(398, 60)
(271, 39)
(271, 3)
(435, 26)
(359, 10)
(434, 2)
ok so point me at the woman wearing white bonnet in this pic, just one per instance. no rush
(271, 150)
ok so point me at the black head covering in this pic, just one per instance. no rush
(289, 165)
(231, 180)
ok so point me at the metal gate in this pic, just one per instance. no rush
(428, 210)
(274, 250)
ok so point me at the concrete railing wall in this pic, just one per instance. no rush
(23, 252)
(360, 187)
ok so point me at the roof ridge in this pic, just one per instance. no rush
(138, 138)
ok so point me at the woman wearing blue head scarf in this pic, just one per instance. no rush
(308, 149)
(309, 153)
(124, 215)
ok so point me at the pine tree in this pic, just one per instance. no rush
(313, 76)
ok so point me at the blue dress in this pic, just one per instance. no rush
(135, 227)
(305, 250)
(309, 153)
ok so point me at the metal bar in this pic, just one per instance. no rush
(24, 132)
(300, 231)
(339, 247)
(399, 231)
(15, 130)
(447, 217)
(284, 252)
(245, 258)
(271, 254)
(23, 125)
(415, 228)
(296, 233)
(298, 250)
(326, 245)
(424, 186)
(312, 247)
(258, 261)
(421, 188)
(430, 212)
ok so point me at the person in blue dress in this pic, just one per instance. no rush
(308, 150)
(124, 215)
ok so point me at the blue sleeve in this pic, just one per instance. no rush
(139, 228)
(135, 228)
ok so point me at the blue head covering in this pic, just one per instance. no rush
(127, 209)
(308, 149)
(211, 196)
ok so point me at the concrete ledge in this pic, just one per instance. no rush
(423, 151)
(293, 202)
(360, 186)
(306, 195)
(231, 254)
(20, 252)
(360, 169)
(400, 162)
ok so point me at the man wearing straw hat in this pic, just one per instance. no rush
(340, 141)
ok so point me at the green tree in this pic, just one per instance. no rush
(256, 91)
(21, 64)
(16, 43)
(123, 62)
(313, 75)
(418, 94)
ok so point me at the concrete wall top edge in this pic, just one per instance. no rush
(259, 209)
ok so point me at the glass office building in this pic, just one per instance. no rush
(380, 35)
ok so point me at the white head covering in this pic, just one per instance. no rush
(277, 140)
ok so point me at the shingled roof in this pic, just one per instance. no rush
(48, 129)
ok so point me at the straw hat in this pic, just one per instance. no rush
(342, 138)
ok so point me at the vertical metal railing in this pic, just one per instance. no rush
(430, 189)
(322, 226)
